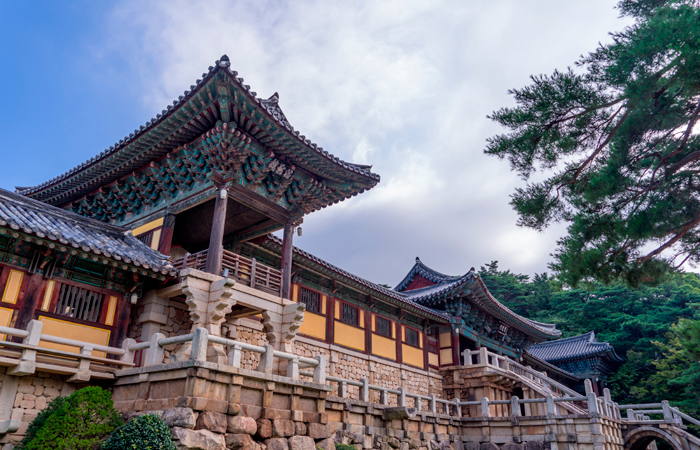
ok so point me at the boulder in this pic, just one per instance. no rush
(241, 441)
(276, 444)
(404, 446)
(445, 445)
(326, 444)
(414, 444)
(433, 445)
(264, 428)
(179, 417)
(242, 424)
(187, 439)
(212, 421)
(299, 429)
(318, 431)
(283, 428)
(488, 446)
(301, 443)
(512, 446)
(472, 446)
(393, 442)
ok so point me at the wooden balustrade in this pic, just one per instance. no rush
(246, 270)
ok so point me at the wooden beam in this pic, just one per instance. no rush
(287, 260)
(257, 230)
(258, 203)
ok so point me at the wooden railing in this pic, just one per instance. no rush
(247, 270)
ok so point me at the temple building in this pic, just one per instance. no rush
(580, 355)
(152, 268)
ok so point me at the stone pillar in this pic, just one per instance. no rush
(282, 328)
(208, 298)
(152, 317)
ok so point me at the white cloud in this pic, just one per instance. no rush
(403, 85)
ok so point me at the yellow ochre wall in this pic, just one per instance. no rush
(155, 240)
(412, 355)
(14, 282)
(313, 325)
(349, 336)
(69, 330)
(383, 347)
(433, 359)
(446, 356)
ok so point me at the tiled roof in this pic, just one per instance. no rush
(572, 347)
(426, 272)
(549, 367)
(169, 130)
(420, 299)
(72, 230)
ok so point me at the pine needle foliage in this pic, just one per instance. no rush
(617, 139)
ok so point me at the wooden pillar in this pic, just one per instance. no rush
(122, 321)
(287, 260)
(30, 300)
(166, 234)
(456, 360)
(216, 245)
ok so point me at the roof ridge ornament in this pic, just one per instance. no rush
(224, 61)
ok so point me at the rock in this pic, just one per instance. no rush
(301, 443)
(212, 421)
(488, 446)
(264, 428)
(241, 441)
(326, 444)
(433, 445)
(299, 429)
(188, 439)
(242, 424)
(512, 446)
(445, 445)
(276, 444)
(283, 428)
(318, 431)
(179, 417)
(414, 444)
(393, 442)
(404, 446)
(537, 445)
(472, 446)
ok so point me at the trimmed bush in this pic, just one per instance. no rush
(39, 421)
(84, 419)
(344, 447)
(144, 432)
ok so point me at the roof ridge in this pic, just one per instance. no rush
(581, 337)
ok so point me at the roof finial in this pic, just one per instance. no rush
(224, 61)
(417, 260)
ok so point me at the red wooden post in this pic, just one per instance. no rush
(287, 260)
(216, 245)
(166, 234)
(455, 349)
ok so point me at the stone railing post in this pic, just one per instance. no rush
(402, 397)
(27, 362)
(592, 404)
(383, 397)
(83, 373)
(342, 389)
(666, 408)
(234, 356)
(630, 415)
(267, 359)
(588, 385)
(200, 340)
(364, 391)
(483, 355)
(320, 370)
(293, 368)
(458, 409)
(128, 356)
(418, 404)
(485, 411)
(155, 352)
(551, 410)
(467, 355)
(432, 404)
(514, 406)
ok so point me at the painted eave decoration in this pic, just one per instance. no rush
(216, 123)
(58, 228)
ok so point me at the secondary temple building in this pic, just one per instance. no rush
(151, 268)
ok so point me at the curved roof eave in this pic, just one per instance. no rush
(119, 154)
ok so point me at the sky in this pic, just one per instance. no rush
(405, 86)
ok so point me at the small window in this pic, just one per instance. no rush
(146, 238)
(432, 345)
(350, 315)
(311, 299)
(383, 326)
(412, 337)
(79, 303)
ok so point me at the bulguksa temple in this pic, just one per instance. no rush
(151, 269)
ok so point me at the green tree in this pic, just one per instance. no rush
(616, 139)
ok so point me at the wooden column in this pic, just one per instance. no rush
(287, 260)
(30, 301)
(216, 246)
(456, 360)
(166, 234)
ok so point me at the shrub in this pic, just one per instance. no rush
(144, 432)
(80, 423)
(39, 421)
(344, 447)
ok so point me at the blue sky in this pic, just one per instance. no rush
(403, 85)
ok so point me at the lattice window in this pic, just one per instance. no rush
(79, 303)
(350, 315)
(146, 238)
(311, 299)
(412, 337)
(433, 345)
(383, 327)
